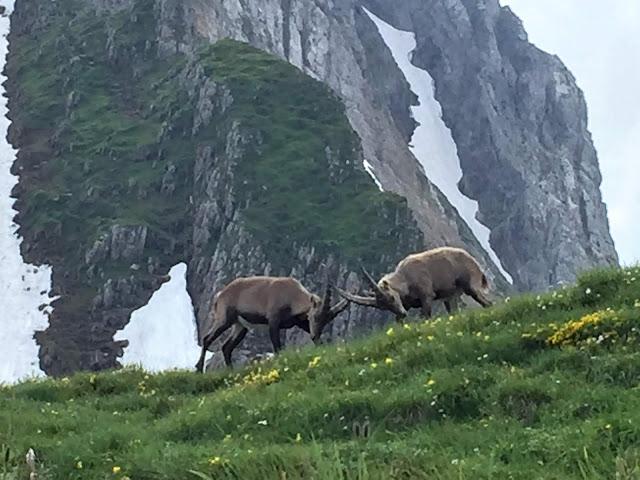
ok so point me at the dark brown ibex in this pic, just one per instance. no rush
(275, 302)
(440, 274)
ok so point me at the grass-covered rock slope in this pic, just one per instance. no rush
(537, 387)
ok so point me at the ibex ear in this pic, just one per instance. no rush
(384, 284)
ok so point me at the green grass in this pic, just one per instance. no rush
(466, 397)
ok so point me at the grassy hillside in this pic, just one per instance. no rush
(539, 387)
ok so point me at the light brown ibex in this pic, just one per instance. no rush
(440, 274)
(275, 302)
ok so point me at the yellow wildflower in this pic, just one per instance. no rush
(298, 438)
(116, 469)
(388, 361)
(430, 338)
(258, 377)
(406, 326)
(569, 330)
(374, 365)
(390, 332)
(431, 382)
(315, 362)
(79, 465)
(215, 461)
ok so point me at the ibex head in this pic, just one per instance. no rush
(382, 296)
(322, 313)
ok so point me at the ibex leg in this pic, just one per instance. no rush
(274, 333)
(237, 335)
(212, 337)
(425, 306)
(451, 304)
(274, 327)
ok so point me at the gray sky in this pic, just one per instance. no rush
(600, 43)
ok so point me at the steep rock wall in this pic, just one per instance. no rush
(520, 124)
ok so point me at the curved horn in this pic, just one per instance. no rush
(365, 301)
(338, 308)
(369, 278)
(371, 281)
(326, 301)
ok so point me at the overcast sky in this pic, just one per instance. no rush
(600, 43)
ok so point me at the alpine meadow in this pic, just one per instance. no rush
(537, 387)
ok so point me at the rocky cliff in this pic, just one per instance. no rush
(142, 145)
(520, 124)
(518, 119)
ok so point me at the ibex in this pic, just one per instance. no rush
(420, 279)
(275, 302)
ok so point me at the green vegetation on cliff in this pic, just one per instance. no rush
(539, 387)
(94, 84)
(91, 122)
(305, 178)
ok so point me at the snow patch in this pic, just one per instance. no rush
(432, 142)
(162, 335)
(24, 288)
(369, 168)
